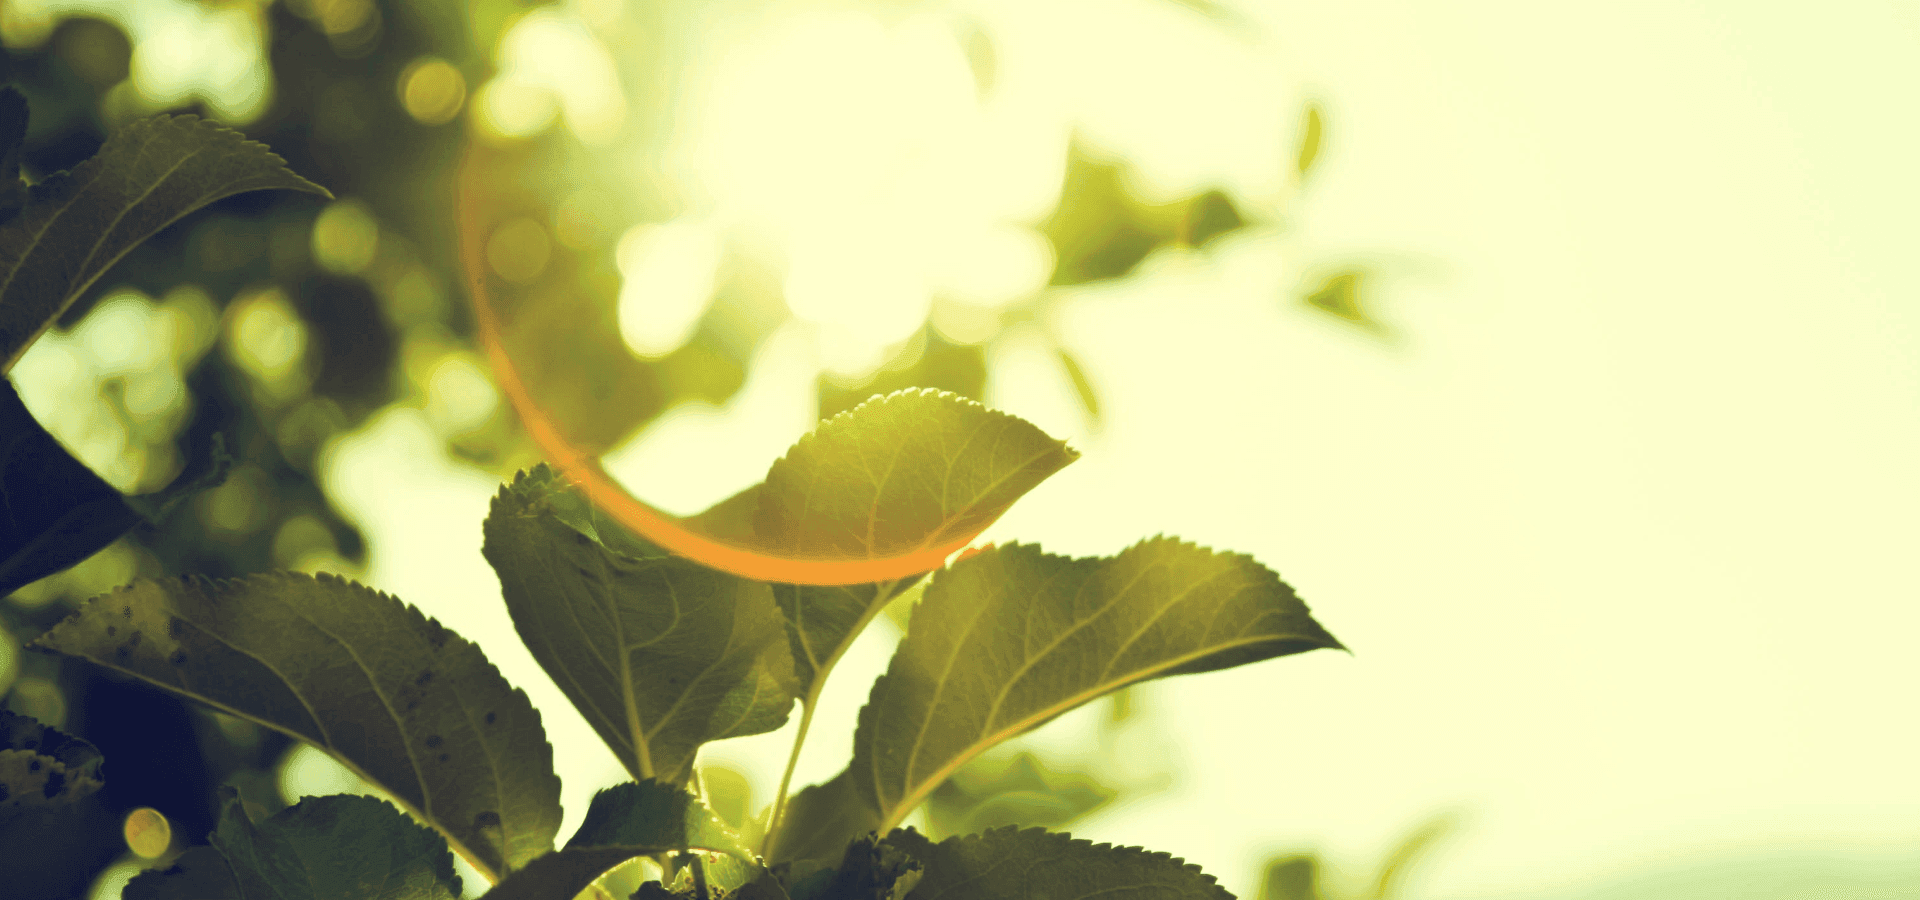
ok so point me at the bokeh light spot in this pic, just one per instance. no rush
(518, 250)
(432, 90)
(147, 832)
(345, 237)
(667, 273)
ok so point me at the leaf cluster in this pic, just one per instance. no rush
(660, 654)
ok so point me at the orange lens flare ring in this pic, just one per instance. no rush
(609, 495)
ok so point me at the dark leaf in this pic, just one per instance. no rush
(1009, 863)
(821, 820)
(75, 225)
(660, 654)
(398, 698)
(49, 783)
(654, 814)
(323, 848)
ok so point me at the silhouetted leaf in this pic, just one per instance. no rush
(200, 873)
(565, 873)
(660, 654)
(874, 870)
(322, 848)
(654, 814)
(13, 137)
(54, 511)
(49, 802)
(75, 225)
(820, 820)
(404, 702)
(1011, 637)
(1006, 862)
(1311, 131)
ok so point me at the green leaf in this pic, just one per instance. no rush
(1292, 877)
(49, 801)
(403, 701)
(54, 511)
(76, 225)
(907, 471)
(655, 814)
(323, 848)
(1012, 637)
(660, 654)
(42, 767)
(821, 820)
(201, 873)
(904, 472)
(561, 875)
(1007, 862)
(1343, 296)
(1312, 130)
(1082, 386)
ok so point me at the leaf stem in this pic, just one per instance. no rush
(793, 759)
(883, 595)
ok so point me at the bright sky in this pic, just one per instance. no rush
(1620, 529)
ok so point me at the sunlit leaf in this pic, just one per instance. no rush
(654, 814)
(75, 225)
(400, 699)
(54, 511)
(660, 654)
(1006, 862)
(323, 848)
(1011, 637)
(820, 820)
(910, 470)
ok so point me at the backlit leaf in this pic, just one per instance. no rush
(400, 699)
(660, 654)
(907, 471)
(323, 848)
(820, 820)
(1006, 862)
(1012, 637)
(75, 225)
(654, 814)
(565, 873)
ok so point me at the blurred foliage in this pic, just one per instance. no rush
(1300, 876)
